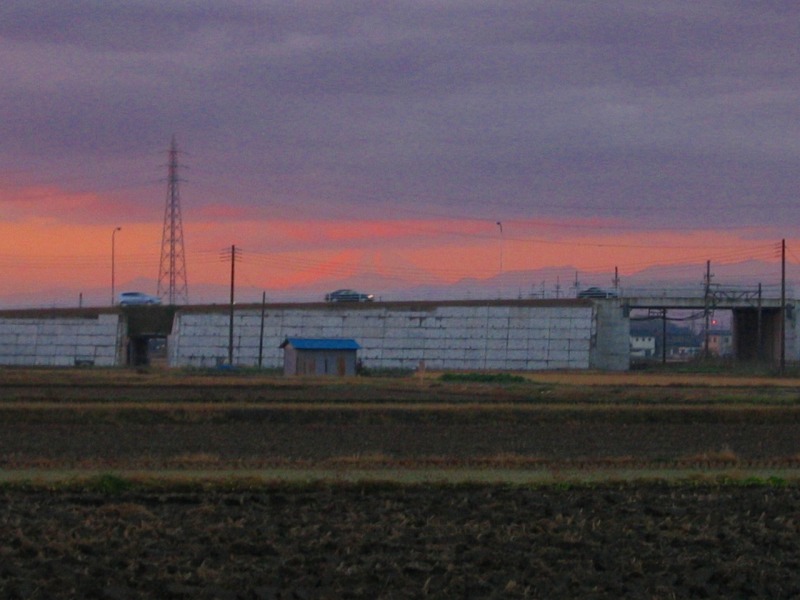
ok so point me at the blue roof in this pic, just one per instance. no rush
(321, 343)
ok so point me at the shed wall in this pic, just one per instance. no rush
(319, 362)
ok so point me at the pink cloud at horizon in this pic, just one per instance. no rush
(42, 249)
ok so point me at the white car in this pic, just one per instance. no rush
(137, 298)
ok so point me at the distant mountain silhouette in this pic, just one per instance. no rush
(549, 282)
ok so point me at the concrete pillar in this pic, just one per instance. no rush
(610, 348)
(746, 327)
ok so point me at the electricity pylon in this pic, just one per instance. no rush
(172, 284)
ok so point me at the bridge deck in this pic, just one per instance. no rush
(695, 303)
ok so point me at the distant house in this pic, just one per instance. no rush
(642, 346)
(720, 342)
(319, 356)
(685, 352)
(682, 344)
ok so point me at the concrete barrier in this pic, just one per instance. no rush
(61, 338)
(503, 335)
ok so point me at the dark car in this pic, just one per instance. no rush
(137, 298)
(596, 292)
(348, 296)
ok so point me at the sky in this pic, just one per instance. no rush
(393, 144)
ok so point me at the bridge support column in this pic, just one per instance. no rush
(610, 348)
(756, 337)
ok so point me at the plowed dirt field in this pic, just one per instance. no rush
(384, 541)
(112, 537)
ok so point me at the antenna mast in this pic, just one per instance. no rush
(172, 285)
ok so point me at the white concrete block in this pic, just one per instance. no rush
(520, 355)
(477, 324)
(477, 354)
(516, 365)
(496, 347)
(455, 344)
(580, 356)
(453, 364)
(435, 345)
(497, 323)
(463, 312)
(46, 350)
(558, 364)
(411, 354)
(28, 331)
(392, 363)
(517, 344)
(496, 334)
(496, 365)
(477, 344)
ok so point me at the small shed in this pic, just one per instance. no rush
(319, 356)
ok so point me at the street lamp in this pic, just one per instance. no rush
(113, 235)
(500, 225)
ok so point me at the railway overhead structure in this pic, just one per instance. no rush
(763, 323)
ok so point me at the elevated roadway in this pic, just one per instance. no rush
(717, 297)
(762, 330)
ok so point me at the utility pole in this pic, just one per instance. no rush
(615, 281)
(113, 236)
(707, 308)
(261, 334)
(759, 332)
(500, 225)
(233, 254)
(783, 306)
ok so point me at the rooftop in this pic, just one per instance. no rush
(321, 343)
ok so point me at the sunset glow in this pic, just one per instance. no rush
(284, 255)
(428, 150)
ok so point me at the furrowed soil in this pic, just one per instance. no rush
(104, 536)
(386, 541)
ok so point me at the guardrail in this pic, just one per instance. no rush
(716, 292)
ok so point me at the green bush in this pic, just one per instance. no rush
(386, 372)
(109, 484)
(483, 377)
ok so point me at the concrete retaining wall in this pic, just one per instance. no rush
(61, 340)
(520, 336)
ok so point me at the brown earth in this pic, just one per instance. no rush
(263, 436)
(389, 541)
(242, 539)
